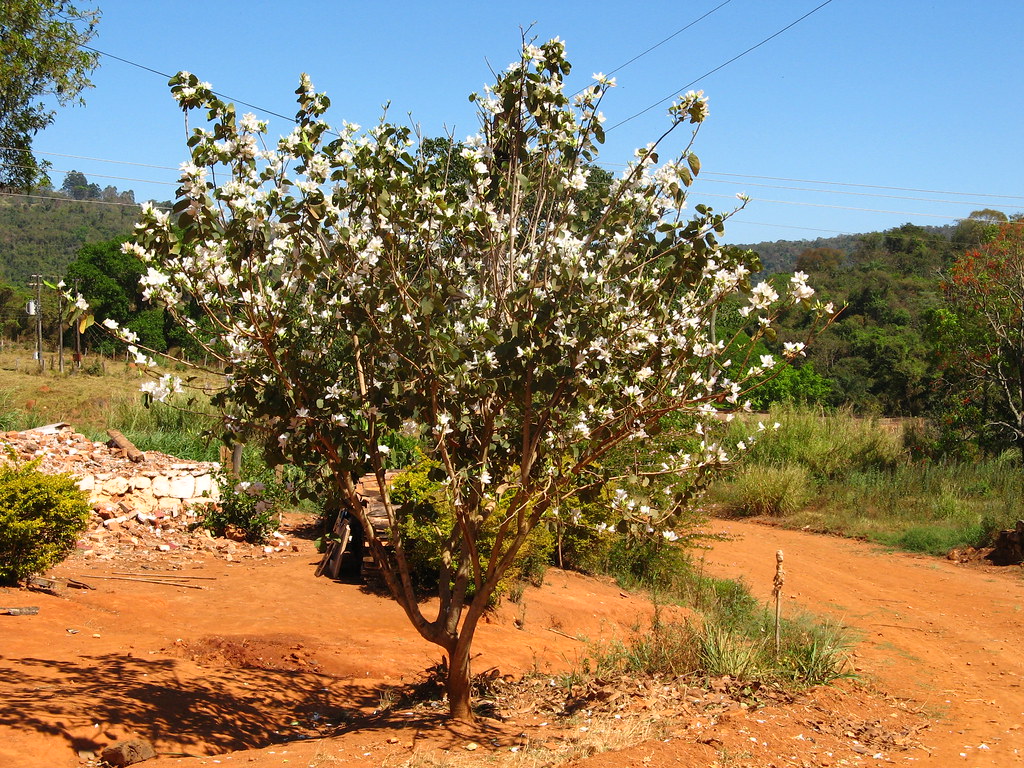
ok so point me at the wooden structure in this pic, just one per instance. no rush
(346, 545)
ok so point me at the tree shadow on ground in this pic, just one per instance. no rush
(220, 710)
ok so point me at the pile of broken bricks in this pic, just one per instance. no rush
(144, 504)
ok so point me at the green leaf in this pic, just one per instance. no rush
(694, 162)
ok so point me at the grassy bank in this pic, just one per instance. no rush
(103, 395)
(854, 477)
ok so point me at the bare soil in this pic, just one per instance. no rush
(266, 665)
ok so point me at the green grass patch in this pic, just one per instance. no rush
(729, 632)
(853, 477)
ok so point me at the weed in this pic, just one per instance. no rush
(250, 508)
(723, 652)
(815, 654)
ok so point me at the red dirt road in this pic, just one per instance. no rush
(945, 636)
(269, 666)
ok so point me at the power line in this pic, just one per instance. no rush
(865, 186)
(794, 226)
(4, 193)
(716, 69)
(165, 75)
(833, 207)
(674, 34)
(100, 175)
(704, 177)
(82, 157)
(705, 174)
(858, 194)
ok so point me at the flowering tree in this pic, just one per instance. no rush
(985, 293)
(357, 283)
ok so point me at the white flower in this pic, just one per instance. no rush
(793, 349)
(383, 450)
(799, 289)
(767, 361)
(670, 535)
(162, 388)
(763, 296)
(81, 303)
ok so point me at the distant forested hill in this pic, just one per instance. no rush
(781, 255)
(43, 234)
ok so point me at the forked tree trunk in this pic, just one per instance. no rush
(459, 685)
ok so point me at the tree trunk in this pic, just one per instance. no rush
(460, 679)
(459, 683)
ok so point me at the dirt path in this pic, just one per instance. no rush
(948, 637)
(266, 665)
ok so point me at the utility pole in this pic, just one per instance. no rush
(60, 326)
(78, 337)
(38, 285)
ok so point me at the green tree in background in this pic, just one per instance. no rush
(76, 185)
(108, 277)
(40, 61)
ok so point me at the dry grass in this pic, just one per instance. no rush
(77, 398)
(85, 398)
(591, 736)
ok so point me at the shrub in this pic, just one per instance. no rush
(647, 564)
(251, 508)
(425, 519)
(41, 517)
(768, 490)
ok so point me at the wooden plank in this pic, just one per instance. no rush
(126, 446)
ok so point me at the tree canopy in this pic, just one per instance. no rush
(984, 331)
(41, 61)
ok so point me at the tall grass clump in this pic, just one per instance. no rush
(186, 432)
(13, 419)
(731, 634)
(856, 477)
(829, 446)
(768, 490)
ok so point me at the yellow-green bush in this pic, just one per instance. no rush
(426, 521)
(41, 517)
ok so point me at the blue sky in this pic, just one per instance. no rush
(879, 98)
